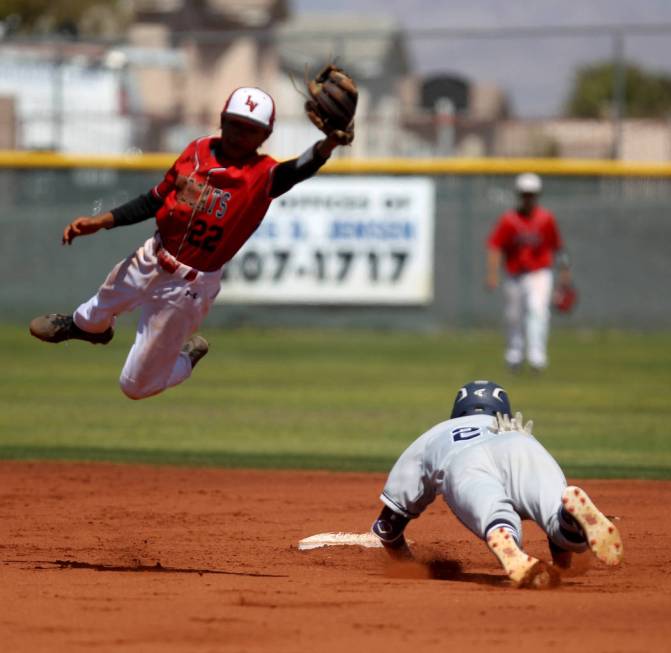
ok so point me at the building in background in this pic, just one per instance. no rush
(155, 88)
(160, 74)
(220, 44)
(64, 97)
(373, 50)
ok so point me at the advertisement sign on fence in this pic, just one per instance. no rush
(340, 240)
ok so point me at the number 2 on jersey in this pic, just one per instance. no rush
(465, 433)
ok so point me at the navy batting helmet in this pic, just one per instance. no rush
(481, 397)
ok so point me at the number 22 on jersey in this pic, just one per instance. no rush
(206, 235)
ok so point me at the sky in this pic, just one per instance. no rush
(536, 73)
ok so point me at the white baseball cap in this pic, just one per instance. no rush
(528, 182)
(252, 104)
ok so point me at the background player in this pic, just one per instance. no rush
(527, 239)
(207, 205)
(493, 473)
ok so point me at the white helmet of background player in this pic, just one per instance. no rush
(528, 183)
(250, 104)
(481, 398)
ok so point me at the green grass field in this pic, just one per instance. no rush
(334, 399)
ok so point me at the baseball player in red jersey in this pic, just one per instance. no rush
(527, 239)
(207, 205)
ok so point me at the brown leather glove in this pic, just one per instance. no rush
(332, 103)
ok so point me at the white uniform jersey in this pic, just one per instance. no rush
(485, 477)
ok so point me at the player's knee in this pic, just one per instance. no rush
(133, 390)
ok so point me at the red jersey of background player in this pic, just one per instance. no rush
(210, 209)
(528, 242)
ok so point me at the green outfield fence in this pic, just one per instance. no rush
(614, 217)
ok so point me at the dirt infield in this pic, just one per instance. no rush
(97, 557)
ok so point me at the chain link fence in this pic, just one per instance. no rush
(616, 230)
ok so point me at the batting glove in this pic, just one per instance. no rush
(504, 423)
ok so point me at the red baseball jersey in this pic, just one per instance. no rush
(528, 242)
(210, 208)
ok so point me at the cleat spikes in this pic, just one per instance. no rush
(603, 537)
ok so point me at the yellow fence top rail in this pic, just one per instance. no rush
(481, 166)
(24, 159)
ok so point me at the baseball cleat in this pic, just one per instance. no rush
(195, 347)
(602, 536)
(560, 557)
(56, 327)
(524, 570)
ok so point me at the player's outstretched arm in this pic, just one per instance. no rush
(389, 527)
(136, 210)
(289, 173)
(86, 225)
(331, 103)
(334, 139)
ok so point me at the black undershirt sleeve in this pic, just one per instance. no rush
(288, 173)
(141, 208)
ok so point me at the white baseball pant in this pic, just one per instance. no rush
(172, 309)
(504, 480)
(527, 316)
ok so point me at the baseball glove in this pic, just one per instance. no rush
(332, 102)
(564, 298)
